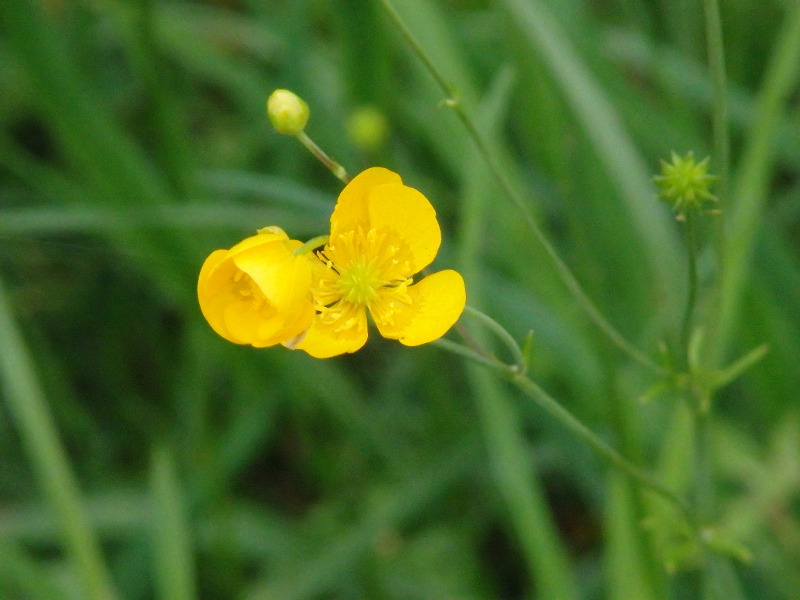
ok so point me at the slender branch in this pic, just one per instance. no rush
(566, 275)
(471, 354)
(549, 404)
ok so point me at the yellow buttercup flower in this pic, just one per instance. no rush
(382, 233)
(259, 291)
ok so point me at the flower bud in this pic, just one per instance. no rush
(259, 291)
(287, 111)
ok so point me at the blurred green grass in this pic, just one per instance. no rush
(133, 143)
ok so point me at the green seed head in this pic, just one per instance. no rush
(685, 184)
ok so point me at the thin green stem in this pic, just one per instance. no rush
(704, 475)
(568, 420)
(563, 271)
(691, 299)
(704, 490)
(716, 571)
(501, 333)
(470, 354)
(333, 166)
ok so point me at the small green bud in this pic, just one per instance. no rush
(287, 111)
(685, 184)
(367, 128)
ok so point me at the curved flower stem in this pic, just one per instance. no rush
(312, 244)
(568, 420)
(560, 266)
(502, 334)
(470, 354)
(334, 167)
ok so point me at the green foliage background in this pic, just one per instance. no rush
(143, 457)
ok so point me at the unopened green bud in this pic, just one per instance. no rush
(287, 111)
(685, 184)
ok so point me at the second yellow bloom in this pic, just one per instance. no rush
(382, 234)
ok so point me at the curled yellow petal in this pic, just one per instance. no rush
(214, 292)
(282, 278)
(258, 292)
(435, 305)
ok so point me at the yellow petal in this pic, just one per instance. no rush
(351, 208)
(283, 278)
(293, 325)
(246, 324)
(326, 338)
(436, 304)
(409, 214)
(277, 309)
(215, 291)
(264, 236)
(205, 283)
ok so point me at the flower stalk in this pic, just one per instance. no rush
(289, 115)
(502, 334)
(332, 165)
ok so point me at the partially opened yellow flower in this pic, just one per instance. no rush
(259, 291)
(382, 234)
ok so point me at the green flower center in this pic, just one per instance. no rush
(362, 270)
(359, 283)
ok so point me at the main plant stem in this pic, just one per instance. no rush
(563, 271)
(568, 420)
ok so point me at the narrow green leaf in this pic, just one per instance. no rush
(31, 415)
(613, 147)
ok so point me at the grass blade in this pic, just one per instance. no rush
(28, 408)
(172, 539)
(602, 125)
